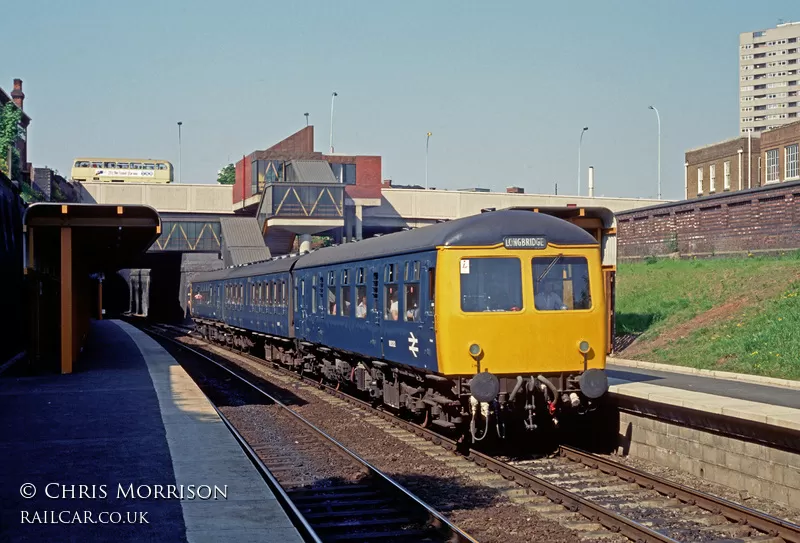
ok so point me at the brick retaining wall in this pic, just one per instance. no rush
(761, 219)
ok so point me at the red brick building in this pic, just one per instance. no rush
(726, 166)
(360, 174)
(744, 163)
(18, 97)
(779, 154)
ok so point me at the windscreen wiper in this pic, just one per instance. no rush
(549, 267)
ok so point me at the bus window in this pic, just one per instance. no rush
(149, 166)
(109, 164)
(122, 165)
(161, 166)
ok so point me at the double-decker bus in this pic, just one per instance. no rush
(122, 170)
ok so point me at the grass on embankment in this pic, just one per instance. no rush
(732, 314)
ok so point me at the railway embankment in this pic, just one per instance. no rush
(729, 314)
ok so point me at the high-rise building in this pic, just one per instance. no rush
(769, 81)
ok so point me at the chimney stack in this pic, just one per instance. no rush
(387, 183)
(515, 190)
(591, 181)
(17, 95)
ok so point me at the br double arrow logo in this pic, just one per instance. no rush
(412, 344)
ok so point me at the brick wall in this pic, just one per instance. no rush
(762, 219)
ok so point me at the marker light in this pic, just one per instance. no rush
(583, 347)
(475, 349)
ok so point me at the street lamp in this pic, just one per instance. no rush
(180, 154)
(427, 141)
(333, 97)
(658, 117)
(580, 142)
(306, 114)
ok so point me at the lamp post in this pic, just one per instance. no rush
(427, 141)
(658, 117)
(333, 97)
(580, 143)
(180, 154)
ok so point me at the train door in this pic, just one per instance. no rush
(322, 309)
(405, 337)
(218, 300)
(427, 324)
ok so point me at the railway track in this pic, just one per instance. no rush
(330, 492)
(583, 491)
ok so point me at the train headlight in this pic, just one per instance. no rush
(583, 347)
(475, 350)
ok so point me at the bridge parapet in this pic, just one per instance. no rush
(167, 198)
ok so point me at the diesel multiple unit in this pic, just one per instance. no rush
(500, 320)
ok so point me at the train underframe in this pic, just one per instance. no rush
(470, 405)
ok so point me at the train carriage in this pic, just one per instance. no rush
(499, 319)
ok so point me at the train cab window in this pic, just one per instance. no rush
(331, 302)
(346, 294)
(490, 285)
(361, 294)
(411, 300)
(561, 283)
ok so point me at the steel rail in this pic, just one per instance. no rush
(772, 526)
(436, 519)
(734, 512)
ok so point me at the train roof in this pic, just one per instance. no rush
(484, 229)
(276, 265)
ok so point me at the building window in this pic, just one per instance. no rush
(773, 174)
(699, 181)
(791, 161)
(727, 172)
(712, 179)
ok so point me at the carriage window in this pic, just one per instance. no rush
(314, 294)
(331, 300)
(390, 299)
(411, 302)
(491, 285)
(361, 294)
(411, 271)
(390, 273)
(561, 283)
(296, 293)
(346, 294)
(284, 300)
(361, 302)
(273, 293)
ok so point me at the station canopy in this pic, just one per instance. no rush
(104, 237)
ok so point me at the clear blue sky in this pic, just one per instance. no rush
(505, 87)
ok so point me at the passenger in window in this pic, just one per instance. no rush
(393, 306)
(361, 308)
(412, 309)
(549, 299)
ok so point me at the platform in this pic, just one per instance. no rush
(129, 415)
(725, 394)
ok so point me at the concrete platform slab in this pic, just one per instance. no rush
(129, 415)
